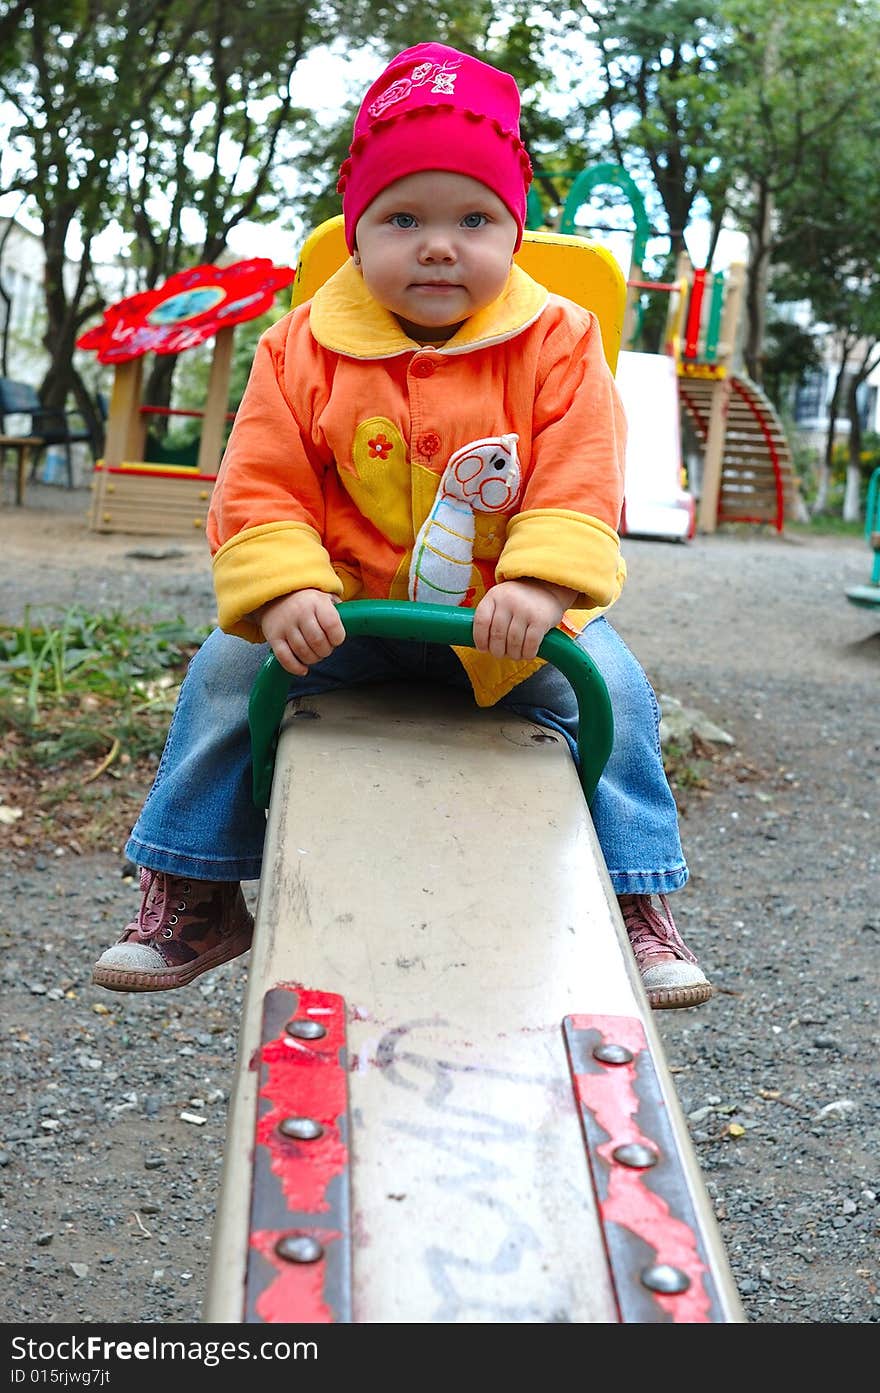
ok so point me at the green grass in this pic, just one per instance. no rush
(824, 525)
(82, 685)
(686, 768)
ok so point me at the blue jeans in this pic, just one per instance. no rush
(199, 818)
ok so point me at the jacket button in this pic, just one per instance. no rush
(423, 367)
(429, 443)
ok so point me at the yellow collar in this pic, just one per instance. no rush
(345, 318)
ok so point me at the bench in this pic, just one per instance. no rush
(48, 425)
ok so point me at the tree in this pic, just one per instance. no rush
(176, 120)
(75, 80)
(212, 139)
(832, 259)
(801, 83)
(658, 104)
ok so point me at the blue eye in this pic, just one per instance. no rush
(404, 220)
(474, 220)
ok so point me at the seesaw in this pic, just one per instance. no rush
(868, 596)
(451, 1103)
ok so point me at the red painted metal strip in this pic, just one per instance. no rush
(296, 1293)
(304, 1078)
(300, 1186)
(646, 1212)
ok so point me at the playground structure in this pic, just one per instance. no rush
(746, 473)
(451, 1102)
(868, 596)
(742, 471)
(139, 486)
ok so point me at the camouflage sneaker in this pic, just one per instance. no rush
(183, 928)
(670, 974)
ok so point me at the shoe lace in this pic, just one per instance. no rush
(651, 930)
(156, 889)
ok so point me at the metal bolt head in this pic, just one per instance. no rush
(300, 1128)
(612, 1054)
(633, 1153)
(299, 1247)
(664, 1278)
(306, 1030)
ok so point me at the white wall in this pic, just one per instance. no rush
(21, 273)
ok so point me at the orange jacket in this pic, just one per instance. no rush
(346, 428)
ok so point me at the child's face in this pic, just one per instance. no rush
(434, 248)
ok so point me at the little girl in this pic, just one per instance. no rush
(430, 364)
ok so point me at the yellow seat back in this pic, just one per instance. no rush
(570, 266)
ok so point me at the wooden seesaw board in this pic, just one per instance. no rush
(499, 1137)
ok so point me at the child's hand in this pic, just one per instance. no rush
(512, 618)
(302, 628)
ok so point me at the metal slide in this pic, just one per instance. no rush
(451, 1103)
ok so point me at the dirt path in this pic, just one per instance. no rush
(107, 1195)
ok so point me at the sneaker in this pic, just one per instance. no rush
(183, 928)
(670, 974)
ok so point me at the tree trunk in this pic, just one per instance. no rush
(160, 381)
(824, 481)
(852, 495)
(64, 318)
(760, 249)
(852, 492)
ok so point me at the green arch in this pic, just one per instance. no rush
(582, 188)
(534, 211)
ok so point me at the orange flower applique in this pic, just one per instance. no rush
(380, 447)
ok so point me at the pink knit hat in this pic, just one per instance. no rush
(436, 108)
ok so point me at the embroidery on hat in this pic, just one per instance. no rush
(441, 75)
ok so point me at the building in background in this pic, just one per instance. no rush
(809, 403)
(23, 356)
(811, 406)
(22, 307)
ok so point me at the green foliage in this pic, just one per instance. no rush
(687, 766)
(659, 101)
(194, 368)
(806, 469)
(804, 460)
(801, 91)
(76, 684)
(869, 459)
(825, 525)
(791, 351)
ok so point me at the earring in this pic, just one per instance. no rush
(356, 257)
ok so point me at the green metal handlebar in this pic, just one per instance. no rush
(405, 619)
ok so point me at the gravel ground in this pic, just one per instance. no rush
(107, 1196)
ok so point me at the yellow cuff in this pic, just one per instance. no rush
(260, 564)
(565, 548)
